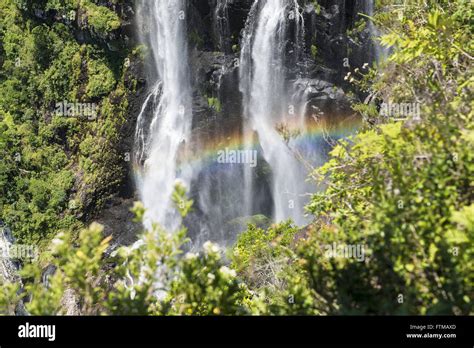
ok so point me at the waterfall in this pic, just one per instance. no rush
(272, 124)
(368, 7)
(245, 76)
(221, 25)
(266, 103)
(166, 135)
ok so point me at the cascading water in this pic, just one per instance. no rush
(273, 81)
(221, 25)
(166, 136)
(265, 103)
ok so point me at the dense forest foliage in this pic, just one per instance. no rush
(401, 190)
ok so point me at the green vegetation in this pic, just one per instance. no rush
(314, 51)
(100, 18)
(189, 285)
(317, 6)
(214, 103)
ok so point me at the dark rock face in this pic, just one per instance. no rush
(328, 30)
(218, 26)
(323, 96)
(118, 222)
(215, 75)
